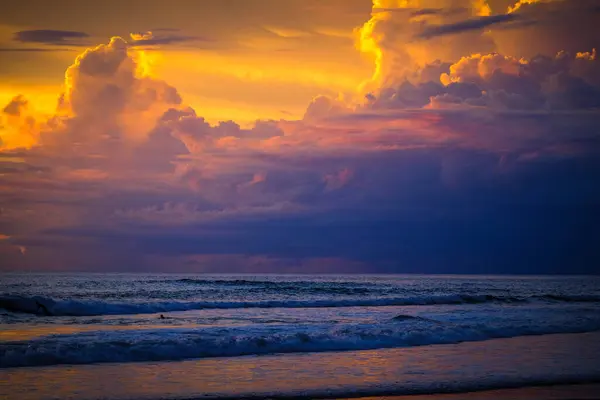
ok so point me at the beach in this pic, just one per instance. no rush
(169, 336)
(300, 199)
(556, 392)
(435, 370)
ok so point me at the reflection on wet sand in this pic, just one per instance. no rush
(430, 369)
(564, 392)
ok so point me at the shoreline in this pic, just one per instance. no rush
(436, 370)
(585, 391)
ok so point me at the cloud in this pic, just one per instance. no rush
(189, 214)
(544, 28)
(338, 180)
(104, 125)
(16, 105)
(18, 125)
(520, 3)
(161, 37)
(455, 157)
(30, 49)
(287, 33)
(433, 11)
(553, 26)
(52, 37)
(497, 81)
(464, 26)
(109, 98)
(324, 106)
(389, 37)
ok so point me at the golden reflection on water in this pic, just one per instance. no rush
(28, 332)
(423, 369)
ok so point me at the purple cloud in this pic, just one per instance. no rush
(52, 37)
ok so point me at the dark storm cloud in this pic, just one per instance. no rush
(511, 208)
(15, 105)
(165, 39)
(30, 49)
(528, 217)
(465, 26)
(424, 12)
(52, 37)
(485, 203)
(437, 11)
(427, 11)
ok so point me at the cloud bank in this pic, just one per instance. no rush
(459, 154)
(52, 37)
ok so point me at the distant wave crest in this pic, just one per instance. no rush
(69, 307)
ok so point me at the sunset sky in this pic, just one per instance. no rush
(433, 136)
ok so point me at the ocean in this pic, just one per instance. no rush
(141, 322)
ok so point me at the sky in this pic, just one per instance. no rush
(300, 136)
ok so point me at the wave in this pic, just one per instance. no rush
(570, 298)
(403, 318)
(164, 344)
(327, 287)
(258, 282)
(56, 307)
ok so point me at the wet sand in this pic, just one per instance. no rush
(437, 371)
(563, 392)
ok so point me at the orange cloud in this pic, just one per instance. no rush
(521, 3)
(109, 88)
(18, 125)
(588, 56)
(388, 37)
(478, 66)
(481, 8)
(108, 93)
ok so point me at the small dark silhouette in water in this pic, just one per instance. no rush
(43, 307)
(402, 317)
(162, 316)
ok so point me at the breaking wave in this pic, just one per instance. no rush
(185, 343)
(69, 307)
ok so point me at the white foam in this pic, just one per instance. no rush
(68, 307)
(201, 342)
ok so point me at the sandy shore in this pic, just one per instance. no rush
(456, 368)
(563, 392)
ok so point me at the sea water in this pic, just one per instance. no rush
(56, 319)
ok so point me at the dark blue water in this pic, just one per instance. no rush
(94, 318)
